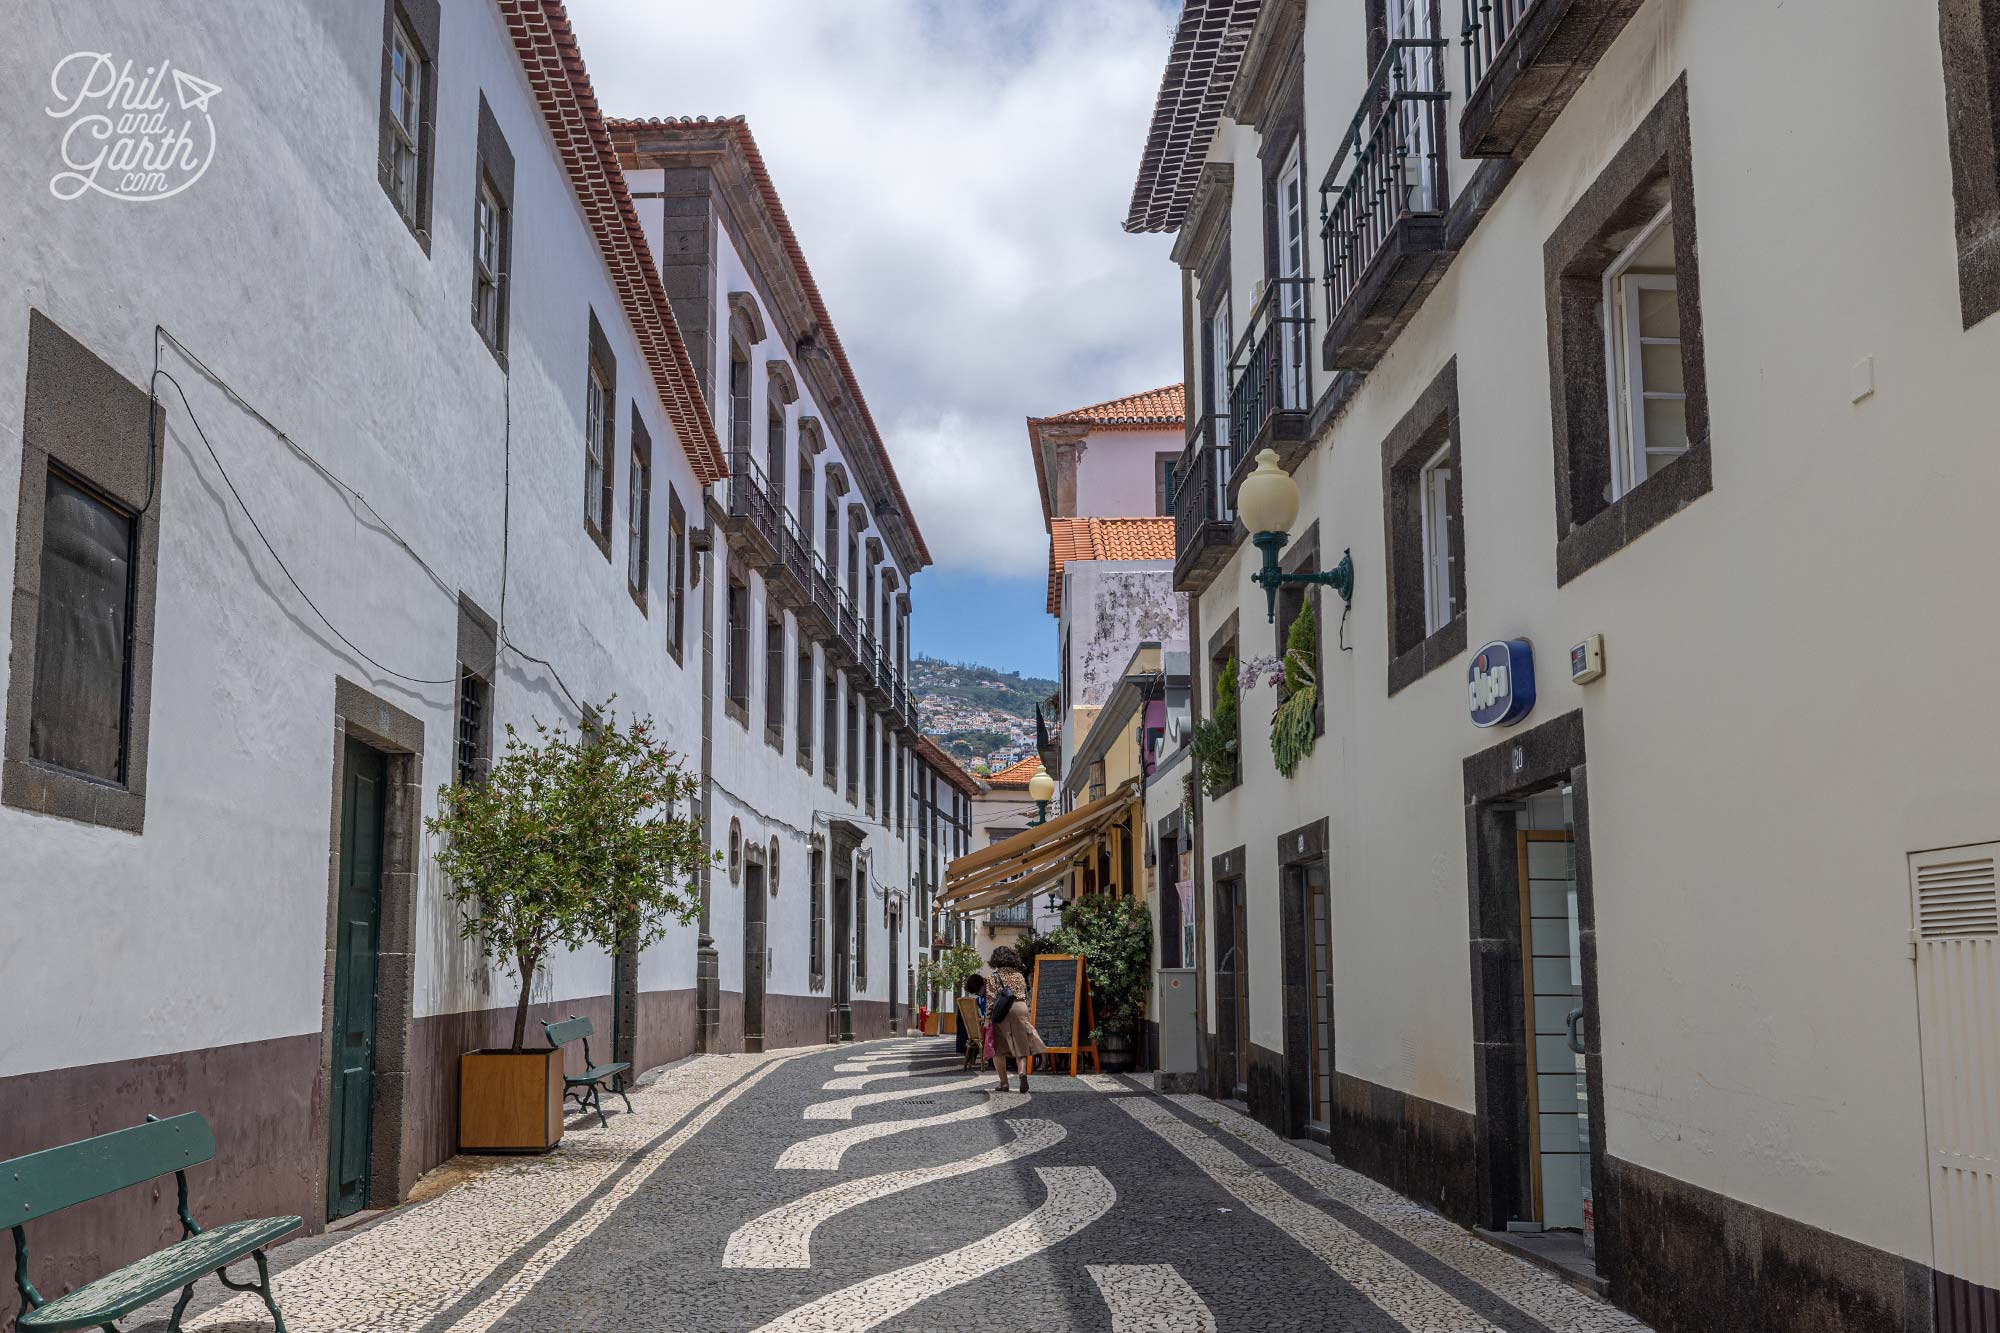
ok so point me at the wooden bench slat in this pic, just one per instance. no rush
(56, 1178)
(132, 1286)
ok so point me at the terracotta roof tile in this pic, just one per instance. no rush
(1104, 539)
(1015, 774)
(761, 174)
(546, 46)
(1165, 406)
(947, 767)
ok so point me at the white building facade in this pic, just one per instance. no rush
(803, 631)
(1687, 1007)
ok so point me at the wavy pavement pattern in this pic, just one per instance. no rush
(1077, 1196)
(1150, 1298)
(1413, 1301)
(782, 1237)
(822, 1152)
(843, 1108)
(1533, 1292)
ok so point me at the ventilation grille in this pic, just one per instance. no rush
(1958, 898)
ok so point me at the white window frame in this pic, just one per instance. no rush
(489, 221)
(1624, 377)
(596, 418)
(406, 79)
(1434, 502)
(637, 557)
(1292, 296)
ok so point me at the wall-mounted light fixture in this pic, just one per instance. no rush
(1268, 504)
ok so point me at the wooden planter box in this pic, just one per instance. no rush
(510, 1103)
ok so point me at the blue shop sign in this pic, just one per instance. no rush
(1500, 684)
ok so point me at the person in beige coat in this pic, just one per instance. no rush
(1013, 1035)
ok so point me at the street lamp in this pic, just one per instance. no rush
(1268, 504)
(1041, 790)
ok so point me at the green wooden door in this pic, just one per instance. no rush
(358, 917)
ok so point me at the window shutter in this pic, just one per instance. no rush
(1955, 892)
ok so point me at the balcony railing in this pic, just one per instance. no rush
(822, 599)
(1015, 914)
(750, 504)
(1270, 370)
(849, 623)
(1488, 25)
(1200, 504)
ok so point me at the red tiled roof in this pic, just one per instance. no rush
(947, 767)
(1016, 774)
(1201, 65)
(1138, 411)
(761, 174)
(1154, 409)
(1104, 539)
(548, 53)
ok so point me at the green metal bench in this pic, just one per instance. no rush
(585, 1086)
(49, 1181)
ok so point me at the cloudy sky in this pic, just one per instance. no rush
(957, 171)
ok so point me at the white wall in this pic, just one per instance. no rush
(287, 270)
(1110, 607)
(1795, 660)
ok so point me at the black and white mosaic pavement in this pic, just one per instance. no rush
(878, 1186)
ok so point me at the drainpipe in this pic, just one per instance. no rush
(707, 971)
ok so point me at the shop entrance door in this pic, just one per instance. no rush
(1232, 989)
(1319, 990)
(1558, 1110)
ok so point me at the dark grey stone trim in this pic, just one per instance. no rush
(1523, 764)
(677, 568)
(1295, 849)
(379, 724)
(1689, 1260)
(1431, 423)
(1423, 1149)
(1653, 169)
(597, 523)
(1542, 64)
(495, 167)
(422, 20)
(478, 653)
(1969, 33)
(87, 419)
(642, 449)
(1471, 204)
(746, 320)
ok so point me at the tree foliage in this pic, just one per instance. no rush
(946, 970)
(573, 838)
(1115, 938)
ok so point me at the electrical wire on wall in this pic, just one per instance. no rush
(164, 337)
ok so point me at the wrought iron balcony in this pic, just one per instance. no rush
(1383, 205)
(821, 609)
(751, 516)
(1203, 522)
(1524, 59)
(849, 626)
(1015, 914)
(1270, 375)
(790, 576)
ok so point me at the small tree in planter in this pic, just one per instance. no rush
(946, 970)
(572, 839)
(1115, 938)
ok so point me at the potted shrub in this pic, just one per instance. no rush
(1214, 738)
(1294, 727)
(571, 839)
(1115, 938)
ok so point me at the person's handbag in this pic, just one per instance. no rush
(997, 1009)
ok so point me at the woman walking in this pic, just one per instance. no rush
(1013, 1034)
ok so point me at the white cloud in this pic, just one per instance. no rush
(957, 171)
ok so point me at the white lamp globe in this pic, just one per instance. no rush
(1268, 500)
(1041, 787)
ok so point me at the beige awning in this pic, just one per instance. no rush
(1030, 861)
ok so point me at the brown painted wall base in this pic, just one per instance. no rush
(1687, 1260)
(264, 1100)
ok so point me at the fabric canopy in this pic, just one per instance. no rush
(1028, 862)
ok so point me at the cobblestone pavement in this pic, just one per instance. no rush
(876, 1186)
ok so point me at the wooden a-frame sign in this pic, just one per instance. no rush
(1060, 1009)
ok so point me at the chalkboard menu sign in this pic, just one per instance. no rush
(1061, 1009)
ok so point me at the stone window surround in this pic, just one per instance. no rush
(1652, 170)
(495, 168)
(89, 420)
(1224, 643)
(372, 720)
(597, 518)
(421, 19)
(676, 569)
(479, 656)
(1432, 420)
(642, 450)
(736, 706)
(774, 680)
(1969, 35)
(806, 692)
(1299, 847)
